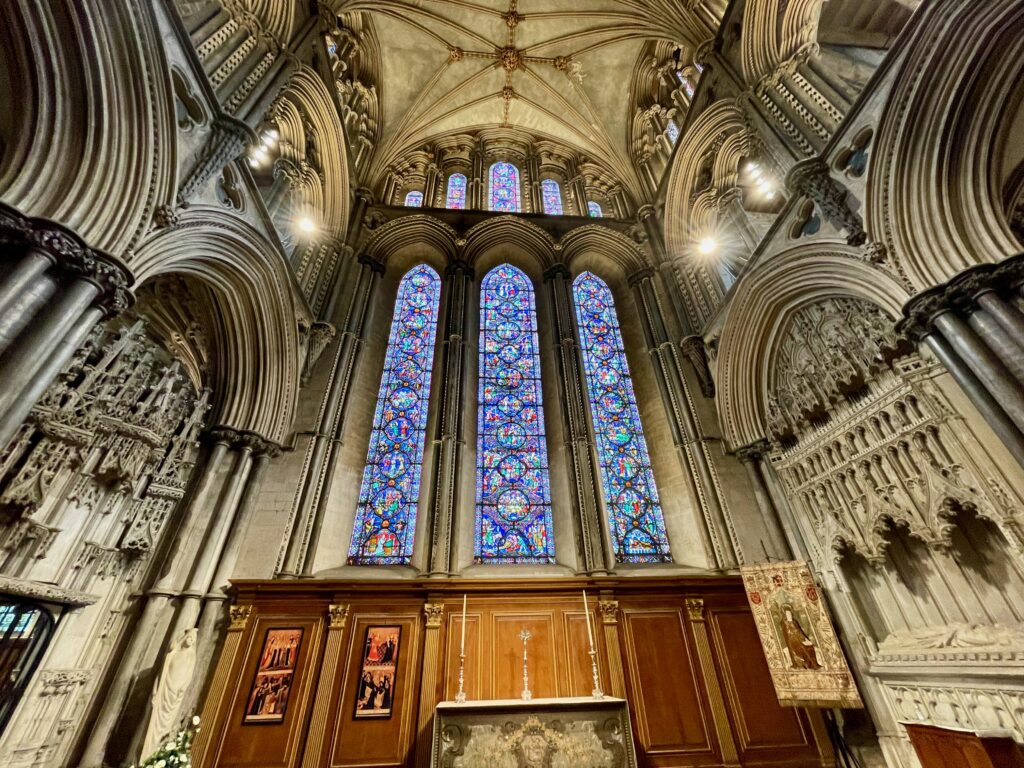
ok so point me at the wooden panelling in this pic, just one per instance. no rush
(670, 715)
(270, 745)
(763, 730)
(378, 741)
(678, 718)
(941, 748)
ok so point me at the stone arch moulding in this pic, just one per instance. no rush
(103, 144)
(765, 299)
(415, 228)
(933, 195)
(255, 343)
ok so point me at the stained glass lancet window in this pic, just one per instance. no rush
(386, 516)
(635, 518)
(552, 197)
(504, 187)
(594, 209)
(456, 197)
(414, 199)
(513, 501)
(673, 132)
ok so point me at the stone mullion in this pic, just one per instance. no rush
(595, 551)
(449, 431)
(716, 699)
(337, 616)
(432, 663)
(323, 450)
(719, 536)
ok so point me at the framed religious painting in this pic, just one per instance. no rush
(804, 657)
(275, 677)
(375, 688)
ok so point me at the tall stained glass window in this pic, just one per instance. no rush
(504, 187)
(456, 197)
(594, 209)
(552, 197)
(513, 502)
(414, 199)
(635, 519)
(386, 517)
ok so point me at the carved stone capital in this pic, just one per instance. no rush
(753, 452)
(557, 270)
(337, 615)
(696, 353)
(239, 615)
(372, 263)
(646, 273)
(459, 267)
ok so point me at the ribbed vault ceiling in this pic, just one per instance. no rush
(558, 68)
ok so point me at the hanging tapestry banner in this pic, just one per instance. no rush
(804, 656)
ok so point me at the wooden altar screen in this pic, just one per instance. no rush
(684, 652)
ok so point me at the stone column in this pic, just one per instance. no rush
(972, 325)
(648, 218)
(67, 288)
(433, 646)
(718, 534)
(326, 444)
(449, 435)
(595, 550)
(154, 605)
(751, 456)
(337, 617)
(719, 714)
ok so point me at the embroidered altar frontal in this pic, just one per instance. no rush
(806, 662)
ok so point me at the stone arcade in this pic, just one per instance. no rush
(320, 319)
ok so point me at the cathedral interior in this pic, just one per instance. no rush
(369, 367)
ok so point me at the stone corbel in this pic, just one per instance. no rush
(812, 179)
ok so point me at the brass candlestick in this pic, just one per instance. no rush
(526, 695)
(460, 697)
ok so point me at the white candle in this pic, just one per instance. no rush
(462, 645)
(586, 612)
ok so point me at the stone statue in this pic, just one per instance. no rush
(169, 691)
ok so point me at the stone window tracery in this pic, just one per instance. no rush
(594, 210)
(414, 200)
(636, 521)
(504, 188)
(385, 523)
(513, 502)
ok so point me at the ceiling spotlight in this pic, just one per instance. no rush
(306, 225)
(707, 246)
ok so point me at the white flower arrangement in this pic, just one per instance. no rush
(174, 752)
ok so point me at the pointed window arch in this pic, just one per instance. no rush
(635, 518)
(513, 500)
(414, 200)
(385, 522)
(594, 210)
(456, 197)
(504, 187)
(551, 194)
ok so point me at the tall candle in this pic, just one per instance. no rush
(462, 645)
(586, 612)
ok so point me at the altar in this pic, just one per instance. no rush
(581, 732)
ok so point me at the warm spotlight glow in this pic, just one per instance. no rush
(306, 225)
(707, 246)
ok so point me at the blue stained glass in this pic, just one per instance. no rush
(456, 197)
(386, 517)
(513, 502)
(673, 132)
(504, 187)
(552, 197)
(594, 210)
(635, 517)
(414, 200)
